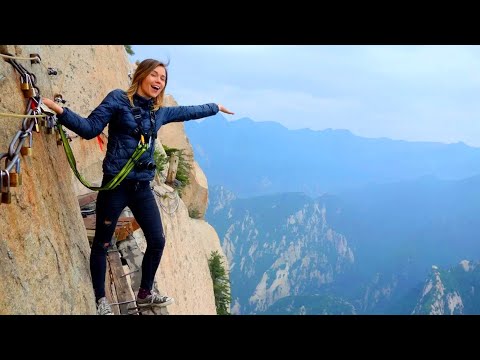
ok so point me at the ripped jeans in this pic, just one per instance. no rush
(139, 197)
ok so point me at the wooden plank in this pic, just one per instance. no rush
(121, 234)
(87, 198)
(90, 235)
(89, 222)
(127, 270)
(110, 292)
(123, 291)
(125, 226)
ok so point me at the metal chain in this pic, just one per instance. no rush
(167, 195)
(11, 174)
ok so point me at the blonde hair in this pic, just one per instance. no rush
(143, 70)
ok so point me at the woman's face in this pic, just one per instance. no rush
(153, 84)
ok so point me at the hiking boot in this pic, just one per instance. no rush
(103, 307)
(154, 299)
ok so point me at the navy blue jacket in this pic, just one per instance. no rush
(116, 111)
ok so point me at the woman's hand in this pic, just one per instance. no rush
(224, 109)
(52, 105)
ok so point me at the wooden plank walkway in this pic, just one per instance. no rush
(125, 226)
(123, 291)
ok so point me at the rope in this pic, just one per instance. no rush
(22, 116)
(20, 57)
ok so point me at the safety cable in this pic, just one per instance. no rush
(166, 195)
(19, 57)
(23, 116)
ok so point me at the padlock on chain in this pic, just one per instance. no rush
(15, 178)
(29, 93)
(5, 182)
(35, 119)
(26, 150)
(27, 87)
(24, 83)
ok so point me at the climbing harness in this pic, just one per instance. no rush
(141, 148)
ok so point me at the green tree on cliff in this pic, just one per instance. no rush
(221, 284)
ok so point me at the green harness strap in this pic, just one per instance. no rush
(141, 148)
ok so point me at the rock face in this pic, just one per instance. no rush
(451, 291)
(44, 250)
(43, 242)
(184, 272)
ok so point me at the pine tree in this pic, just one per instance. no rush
(221, 284)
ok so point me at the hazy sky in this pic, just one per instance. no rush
(417, 93)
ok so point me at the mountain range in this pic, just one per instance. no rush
(331, 223)
(258, 158)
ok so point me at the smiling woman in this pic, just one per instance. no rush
(134, 117)
(149, 81)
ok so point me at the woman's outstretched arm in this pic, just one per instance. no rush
(184, 113)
